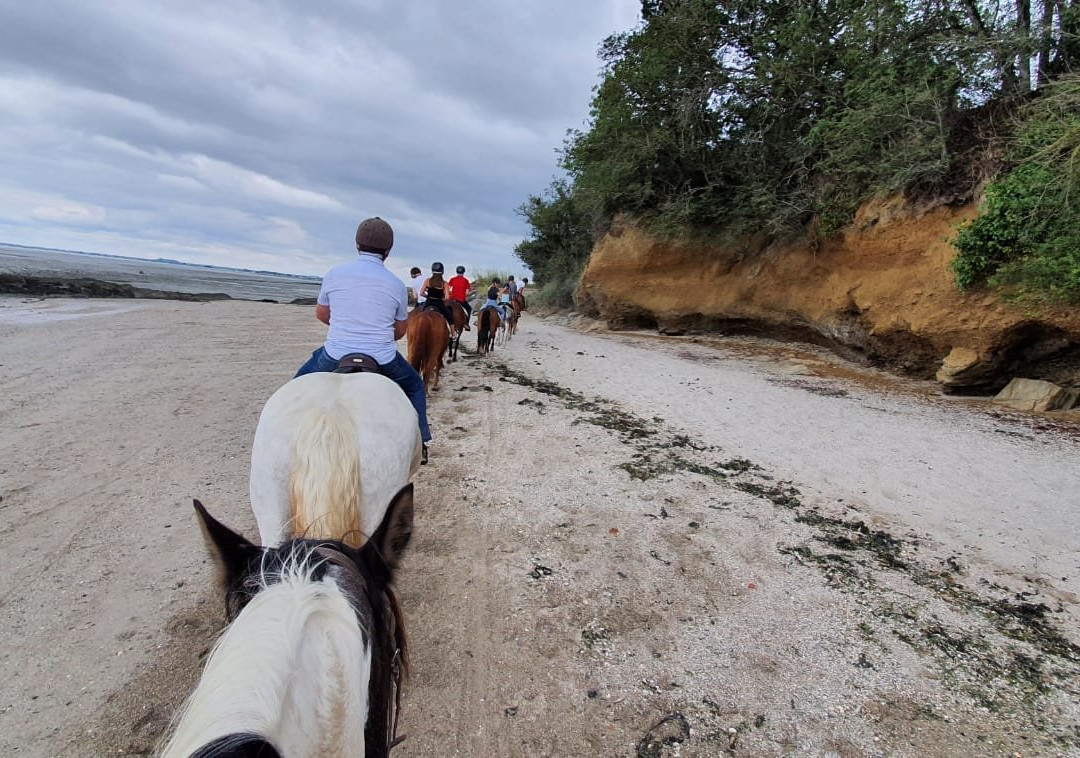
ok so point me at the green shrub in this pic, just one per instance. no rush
(1026, 238)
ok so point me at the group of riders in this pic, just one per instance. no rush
(365, 308)
(435, 292)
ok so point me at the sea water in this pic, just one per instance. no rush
(169, 276)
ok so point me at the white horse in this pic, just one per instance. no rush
(330, 451)
(311, 661)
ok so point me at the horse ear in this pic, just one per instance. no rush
(231, 551)
(395, 530)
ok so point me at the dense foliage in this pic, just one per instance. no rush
(558, 250)
(1027, 235)
(735, 117)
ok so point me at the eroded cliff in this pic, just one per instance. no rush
(881, 291)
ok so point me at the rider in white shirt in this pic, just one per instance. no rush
(418, 280)
(365, 307)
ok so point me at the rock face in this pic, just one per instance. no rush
(1036, 395)
(881, 291)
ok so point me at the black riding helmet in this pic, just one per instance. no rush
(436, 268)
(460, 269)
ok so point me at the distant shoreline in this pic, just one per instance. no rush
(53, 286)
(170, 261)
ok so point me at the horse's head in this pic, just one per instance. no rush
(364, 575)
(244, 568)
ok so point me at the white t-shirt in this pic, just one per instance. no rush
(417, 287)
(365, 300)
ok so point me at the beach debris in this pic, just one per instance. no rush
(540, 571)
(670, 731)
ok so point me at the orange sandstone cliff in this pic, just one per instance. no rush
(881, 291)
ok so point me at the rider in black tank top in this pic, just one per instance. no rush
(435, 293)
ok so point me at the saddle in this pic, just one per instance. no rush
(357, 363)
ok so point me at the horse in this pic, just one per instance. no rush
(428, 335)
(487, 327)
(461, 318)
(519, 301)
(313, 657)
(513, 315)
(330, 451)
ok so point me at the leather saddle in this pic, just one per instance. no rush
(356, 363)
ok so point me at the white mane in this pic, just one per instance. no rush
(293, 668)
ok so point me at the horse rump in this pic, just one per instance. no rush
(487, 327)
(428, 335)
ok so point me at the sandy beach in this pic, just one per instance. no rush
(782, 553)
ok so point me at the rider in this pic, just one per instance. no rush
(504, 299)
(365, 307)
(434, 291)
(458, 290)
(493, 294)
(416, 278)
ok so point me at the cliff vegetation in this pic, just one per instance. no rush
(757, 128)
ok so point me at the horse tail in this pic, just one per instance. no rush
(324, 483)
(483, 326)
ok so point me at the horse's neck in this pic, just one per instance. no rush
(293, 668)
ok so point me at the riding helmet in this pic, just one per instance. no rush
(374, 236)
(436, 268)
(460, 269)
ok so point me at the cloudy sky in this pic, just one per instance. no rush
(258, 134)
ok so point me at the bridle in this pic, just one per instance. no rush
(396, 668)
(395, 677)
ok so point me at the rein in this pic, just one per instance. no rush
(357, 579)
(395, 676)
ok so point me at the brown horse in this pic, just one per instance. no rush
(487, 327)
(428, 336)
(461, 318)
(512, 317)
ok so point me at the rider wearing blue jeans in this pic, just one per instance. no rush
(365, 307)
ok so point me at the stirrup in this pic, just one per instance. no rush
(423, 455)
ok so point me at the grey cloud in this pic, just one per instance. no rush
(441, 116)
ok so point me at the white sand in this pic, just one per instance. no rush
(678, 593)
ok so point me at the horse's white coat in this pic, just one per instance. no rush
(370, 408)
(292, 668)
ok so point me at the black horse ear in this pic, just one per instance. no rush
(231, 551)
(393, 534)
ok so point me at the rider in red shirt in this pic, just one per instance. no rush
(458, 289)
